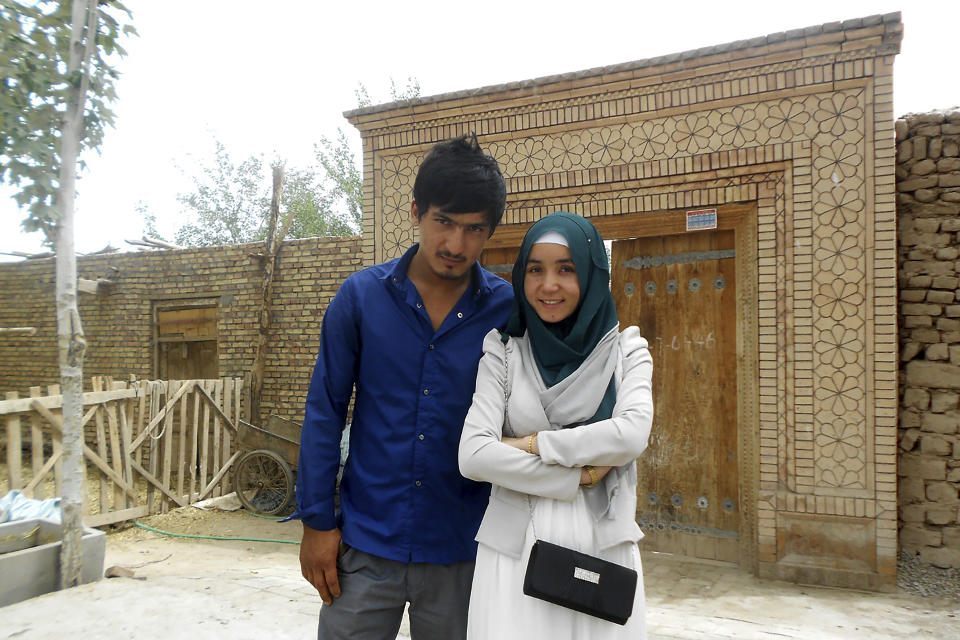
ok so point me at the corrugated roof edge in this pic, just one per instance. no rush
(893, 38)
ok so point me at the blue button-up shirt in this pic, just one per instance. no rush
(402, 496)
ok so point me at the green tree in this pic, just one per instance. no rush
(35, 86)
(230, 201)
(54, 97)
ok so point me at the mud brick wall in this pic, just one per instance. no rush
(119, 320)
(928, 186)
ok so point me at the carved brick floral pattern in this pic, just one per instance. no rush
(396, 170)
(502, 152)
(649, 140)
(839, 290)
(839, 207)
(606, 146)
(840, 159)
(838, 253)
(567, 151)
(840, 346)
(529, 156)
(738, 127)
(839, 113)
(786, 119)
(693, 133)
(840, 453)
(396, 212)
(839, 299)
(840, 394)
(396, 239)
(840, 440)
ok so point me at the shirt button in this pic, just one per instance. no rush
(419, 484)
(421, 436)
(419, 305)
(426, 392)
(430, 346)
(460, 315)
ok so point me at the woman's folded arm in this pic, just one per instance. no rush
(484, 457)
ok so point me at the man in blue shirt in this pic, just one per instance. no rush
(407, 336)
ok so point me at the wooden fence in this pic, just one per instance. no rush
(149, 445)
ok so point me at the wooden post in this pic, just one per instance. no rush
(182, 443)
(125, 441)
(14, 448)
(205, 437)
(36, 447)
(228, 399)
(116, 458)
(192, 459)
(172, 387)
(218, 397)
(96, 384)
(156, 390)
(54, 390)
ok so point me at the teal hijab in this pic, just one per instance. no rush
(560, 348)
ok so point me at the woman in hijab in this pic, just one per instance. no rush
(563, 407)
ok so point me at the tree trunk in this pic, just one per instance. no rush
(272, 242)
(70, 339)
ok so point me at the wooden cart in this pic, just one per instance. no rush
(264, 475)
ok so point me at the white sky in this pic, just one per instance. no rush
(273, 77)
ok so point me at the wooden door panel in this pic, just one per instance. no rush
(500, 261)
(196, 360)
(681, 291)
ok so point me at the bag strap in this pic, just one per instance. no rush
(506, 420)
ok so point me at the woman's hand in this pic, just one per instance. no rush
(524, 443)
(586, 478)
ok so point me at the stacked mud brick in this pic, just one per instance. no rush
(928, 186)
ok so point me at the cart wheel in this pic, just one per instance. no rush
(263, 482)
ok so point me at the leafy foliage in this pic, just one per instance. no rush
(34, 49)
(407, 92)
(231, 201)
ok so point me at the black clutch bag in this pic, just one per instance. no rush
(580, 582)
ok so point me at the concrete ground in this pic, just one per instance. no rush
(210, 589)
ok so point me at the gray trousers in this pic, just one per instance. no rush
(375, 592)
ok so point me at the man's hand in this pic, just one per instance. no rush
(318, 561)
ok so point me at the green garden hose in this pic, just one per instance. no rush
(203, 537)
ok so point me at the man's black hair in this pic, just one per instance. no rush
(458, 177)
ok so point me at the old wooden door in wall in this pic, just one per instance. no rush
(187, 343)
(681, 291)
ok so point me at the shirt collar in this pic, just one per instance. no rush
(480, 279)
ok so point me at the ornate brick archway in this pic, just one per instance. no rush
(797, 124)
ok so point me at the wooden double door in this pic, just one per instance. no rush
(680, 289)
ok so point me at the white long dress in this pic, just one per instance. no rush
(499, 610)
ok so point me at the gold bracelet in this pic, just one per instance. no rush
(593, 476)
(530, 443)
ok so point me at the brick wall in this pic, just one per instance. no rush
(928, 186)
(119, 321)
